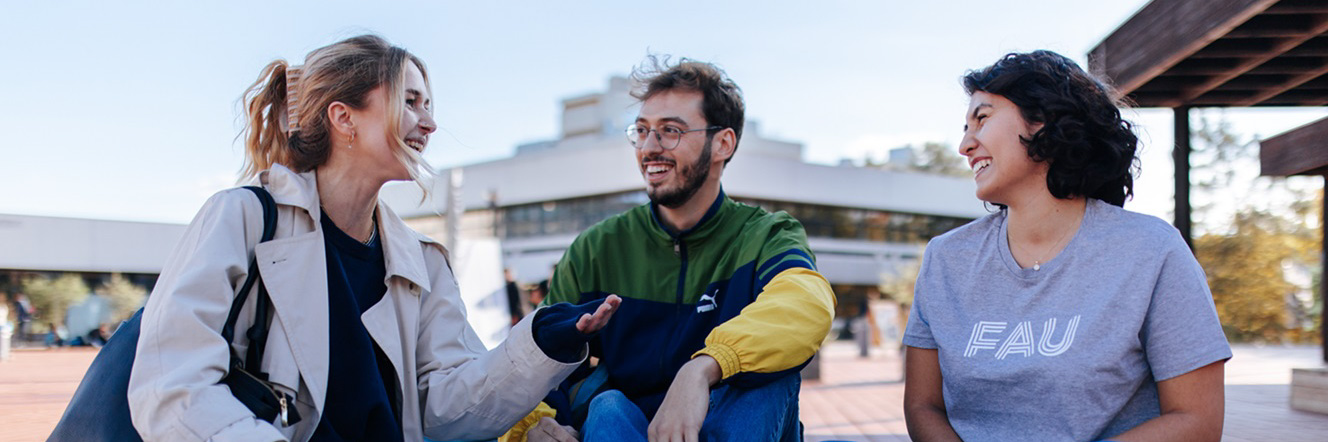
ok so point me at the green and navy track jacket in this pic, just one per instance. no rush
(741, 287)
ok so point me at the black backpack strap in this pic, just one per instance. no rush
(262, 309)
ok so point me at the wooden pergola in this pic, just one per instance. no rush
(1181, 54)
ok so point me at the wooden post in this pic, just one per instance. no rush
(1181, 157)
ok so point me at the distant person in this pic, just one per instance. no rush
(56, 336)
(6, 331)
(516, 306)
(537, 294)
(862, 328)
(722, 303)
(97, 337)
(1060, 316)
(368, 340)
(542, 288)
(23, 312)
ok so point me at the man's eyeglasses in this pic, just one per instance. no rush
(668, 137)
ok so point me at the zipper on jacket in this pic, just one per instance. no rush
(680, 250)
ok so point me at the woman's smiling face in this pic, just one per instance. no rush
(994, 131)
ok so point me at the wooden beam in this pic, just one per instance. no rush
(1302, 97)
(1319, 26)
(1298, 7)
(1162, 34)
(1315, 47)
(1296, 151)
(1289, 66)
(1181, 157)
(1202, 67)
(1256, 83)
(1235, 48)
(1276, 26)
(1290, 83)
(1219, 99)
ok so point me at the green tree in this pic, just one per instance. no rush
(125, 297)
(939, 158)
(930, 157)
(51, 297)
(1259, 238)
(898, 285)
(1247, 273)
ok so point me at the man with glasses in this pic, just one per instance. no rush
(722, 304)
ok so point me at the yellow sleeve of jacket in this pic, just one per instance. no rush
(521, 429)
(780, 330)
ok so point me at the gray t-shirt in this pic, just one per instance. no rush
(1072, 351)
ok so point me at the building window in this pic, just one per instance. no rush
(863, 224)
(566, 217)
(572, 216)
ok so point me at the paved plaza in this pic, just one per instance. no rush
(857, 399)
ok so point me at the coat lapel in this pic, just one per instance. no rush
(393, 318)
(294, 269)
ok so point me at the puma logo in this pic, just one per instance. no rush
(707, 302)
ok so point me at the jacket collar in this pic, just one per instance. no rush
(702, 228)
(292, 189)
(401, 246)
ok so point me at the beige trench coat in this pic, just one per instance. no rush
(461, 390)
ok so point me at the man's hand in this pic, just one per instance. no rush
(548, 430)
(589, 323)
(684, 408)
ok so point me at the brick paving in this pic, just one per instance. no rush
(856, 399)
(35, 386)
(861, 400)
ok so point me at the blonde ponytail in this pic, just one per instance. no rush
(264, 133)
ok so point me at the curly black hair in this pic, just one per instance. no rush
(1091, 150)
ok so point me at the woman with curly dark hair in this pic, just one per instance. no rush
(1061, 316)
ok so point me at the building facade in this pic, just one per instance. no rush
(864, 224)
(91, 247)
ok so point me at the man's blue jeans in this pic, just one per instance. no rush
(768, 413)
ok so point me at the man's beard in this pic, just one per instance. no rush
(693, 177)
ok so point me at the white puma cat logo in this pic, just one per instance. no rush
(707, 302)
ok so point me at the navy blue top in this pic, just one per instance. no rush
(363, 398)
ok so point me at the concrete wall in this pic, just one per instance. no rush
(85, 245)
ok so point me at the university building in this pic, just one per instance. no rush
(863, 224)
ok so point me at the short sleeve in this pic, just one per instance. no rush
(1181, 331)
(918, 332)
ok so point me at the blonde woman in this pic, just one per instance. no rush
(368, 336)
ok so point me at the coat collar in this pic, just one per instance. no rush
(402, 249)
(401, 246)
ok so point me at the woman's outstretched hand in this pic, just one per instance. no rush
(591, 323)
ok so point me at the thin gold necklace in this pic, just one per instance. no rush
(373, 234)
(1037, 263)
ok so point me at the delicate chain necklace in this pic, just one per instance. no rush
(1037, 263)
(373, 234)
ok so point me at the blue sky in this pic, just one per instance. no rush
(127, 110)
